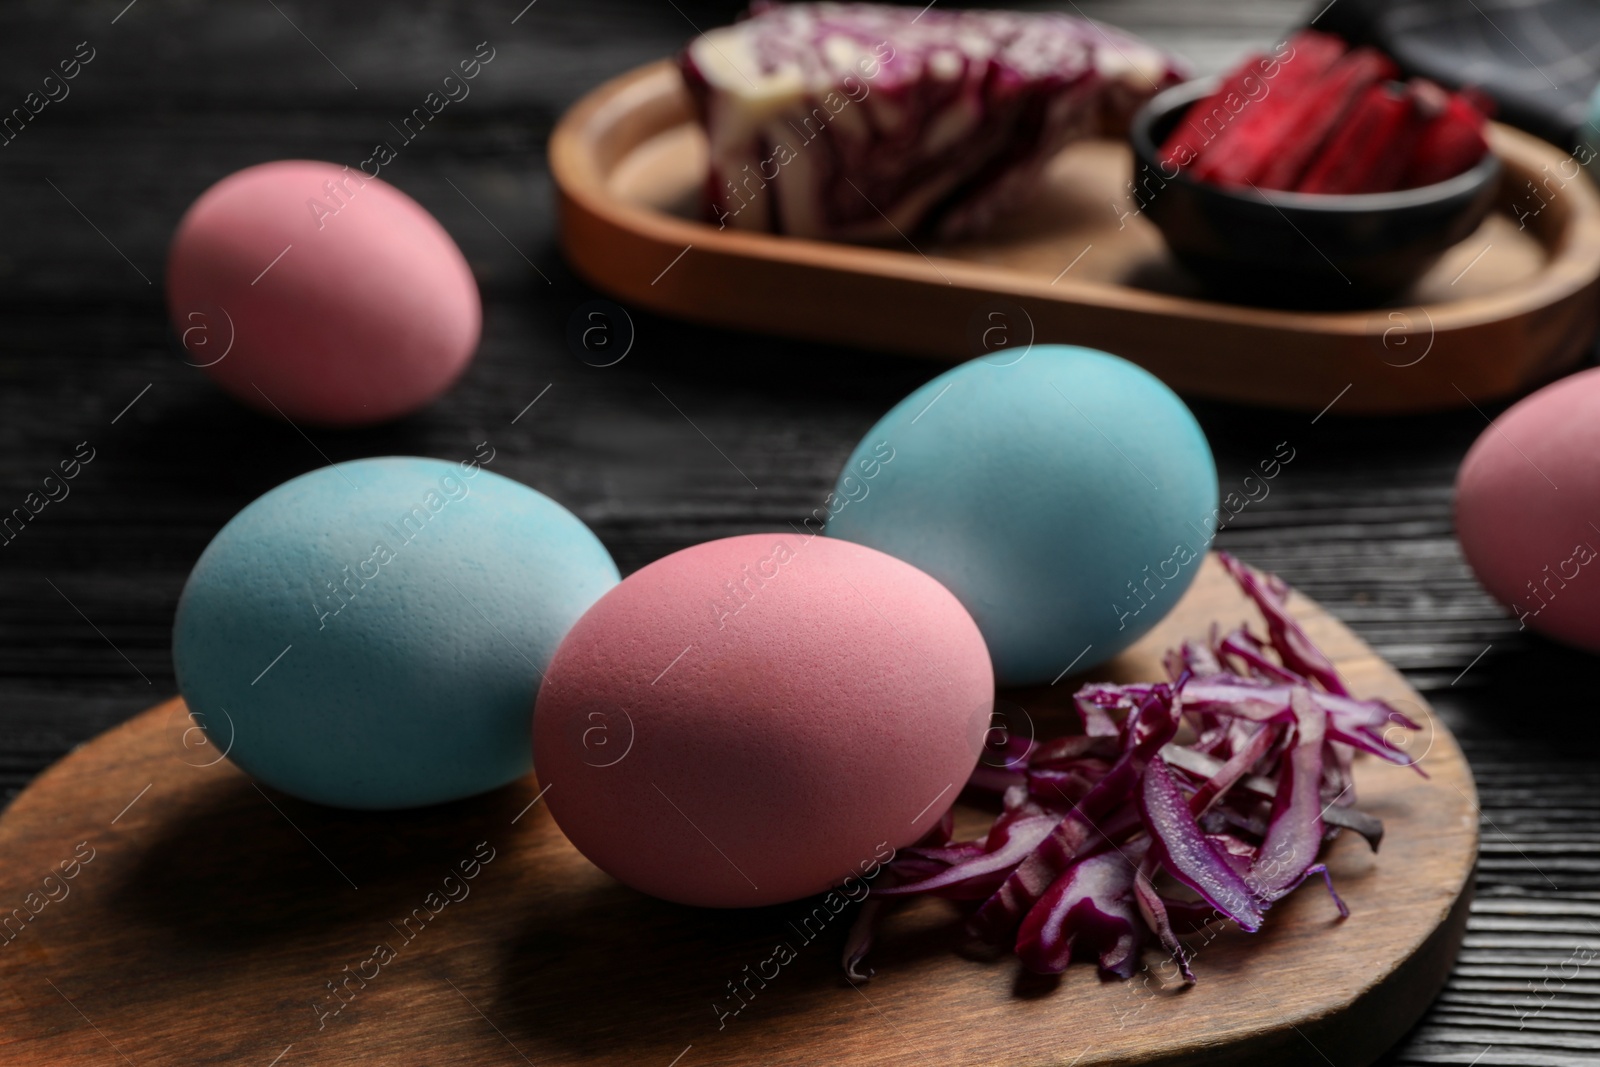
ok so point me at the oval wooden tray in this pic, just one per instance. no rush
(211, 917)
(1505, 310)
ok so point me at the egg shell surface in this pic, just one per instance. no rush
(410, 683)
(1064, 495)
(1528, 510)
(314, 292)
(755, 719)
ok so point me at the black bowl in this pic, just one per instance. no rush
(1299, 249)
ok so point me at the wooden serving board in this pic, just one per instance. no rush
(209, 917)
(1510, 307)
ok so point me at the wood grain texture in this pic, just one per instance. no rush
(227, 910)
(183, 94)
(1509, 307)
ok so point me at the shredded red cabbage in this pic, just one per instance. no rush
(1202, 798)
(867, 122)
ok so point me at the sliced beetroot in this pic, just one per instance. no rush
(1318, 111)
(1451, 142)
(1244, 150)
(1369, 149)
(1318, 119)
(1207, 118)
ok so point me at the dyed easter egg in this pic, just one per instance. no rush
(1528, 510)
(1066, 497)
(759, 718)
(371, 635)
(316, 293)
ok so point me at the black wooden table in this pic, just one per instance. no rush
(179, 94)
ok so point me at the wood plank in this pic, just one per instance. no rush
(224, 952)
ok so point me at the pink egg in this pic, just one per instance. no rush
(314, 292)
(756, 719)
(1528, 510)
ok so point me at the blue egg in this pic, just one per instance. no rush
(373, 634)
(1066, 497)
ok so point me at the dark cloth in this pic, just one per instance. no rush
(1538, 59)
